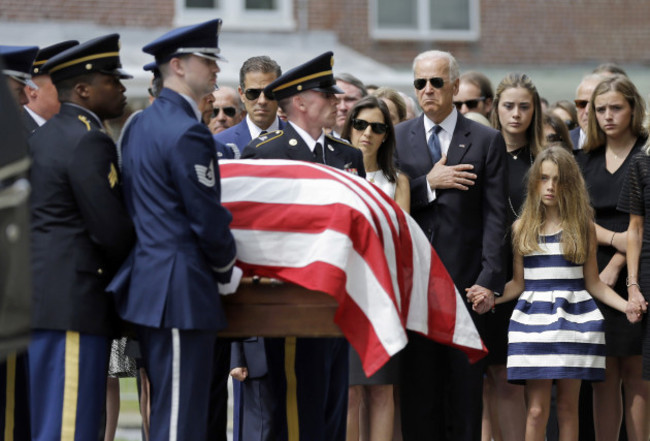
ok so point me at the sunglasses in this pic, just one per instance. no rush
(570, 124)
(553, 137)
(229, 111)
(361, 125)
(471, 104)
(581, 104)
(253, 94)
(420, 83)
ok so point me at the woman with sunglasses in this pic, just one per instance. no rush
(369, 128)
(615, 133)
(518, 116)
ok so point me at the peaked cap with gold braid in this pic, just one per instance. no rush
(316, 74)
(44, 54)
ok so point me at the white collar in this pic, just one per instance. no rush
(448, 124)
(35, 116)
(311, 142)
(255, 131)
(195, 107)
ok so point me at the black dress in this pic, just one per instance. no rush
(635, 199)
(496, 335)
(622, 338)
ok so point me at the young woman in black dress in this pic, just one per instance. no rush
(615, 134)
(518, 115)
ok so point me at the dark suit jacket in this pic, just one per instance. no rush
(28, 121)
(466, 228)
(81, 231)
(235, 137)
(287, 144)
(575, 137)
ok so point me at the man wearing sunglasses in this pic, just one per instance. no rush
(307, 94)
(226, 109)
(583, 96)
(458, 196)
(261, 110)
(474, 94)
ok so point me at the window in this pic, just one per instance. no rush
(424, 19)
(259, 15)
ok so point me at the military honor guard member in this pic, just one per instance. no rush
(43, 101)
(314, 408)
(14, 373)
(168, 288)
(80, 234)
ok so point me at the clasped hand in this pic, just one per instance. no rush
(450, 176)
(636, 306)
(482, 299)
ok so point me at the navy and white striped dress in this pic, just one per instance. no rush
(556, 330)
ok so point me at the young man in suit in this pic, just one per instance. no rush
(458, 196)
(184, 247)
(252, 394)
(81, 233)
(315, 407)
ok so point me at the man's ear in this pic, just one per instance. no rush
(177, 66)
(82, 89)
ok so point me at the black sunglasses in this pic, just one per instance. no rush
(581, 104)
(471, 104)
(229, 111)
(362, 124)
(420, 83)
(553, 137)
(570, 124)
(253, 94)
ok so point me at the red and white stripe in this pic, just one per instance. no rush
(330, 231)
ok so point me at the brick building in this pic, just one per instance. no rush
(493, 35)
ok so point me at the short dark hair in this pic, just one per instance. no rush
(479, 80)
(356, 82)
(64, 87)
(260, 63)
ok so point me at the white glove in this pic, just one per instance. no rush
(230, 287)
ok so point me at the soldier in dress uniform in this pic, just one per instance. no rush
(80, 234)
(43, 102)
(184, 247)
(311, 394)
(15, 286)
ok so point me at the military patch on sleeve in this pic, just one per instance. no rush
(205, 175)
(113, 179)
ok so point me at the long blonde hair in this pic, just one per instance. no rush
(573, 204)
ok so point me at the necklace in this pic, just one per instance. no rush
(370, 176)
(515, 153)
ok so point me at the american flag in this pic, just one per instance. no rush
(330, 231)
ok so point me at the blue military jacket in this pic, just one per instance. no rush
(173, 194)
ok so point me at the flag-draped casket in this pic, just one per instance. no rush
(328, 230)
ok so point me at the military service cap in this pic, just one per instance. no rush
(48, 52)
(315, 74)
(100, 54)
(18, 62)
(201, 40)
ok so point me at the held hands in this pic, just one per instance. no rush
(450, 176)
(636, 305)
(482, 299)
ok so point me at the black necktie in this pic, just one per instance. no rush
(318, 153)
(434, 144)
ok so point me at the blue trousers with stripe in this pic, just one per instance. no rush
(179, 366)
(67, 374)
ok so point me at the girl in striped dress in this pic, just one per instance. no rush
(556, 330)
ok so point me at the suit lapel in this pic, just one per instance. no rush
(460, 141)
(419, 138)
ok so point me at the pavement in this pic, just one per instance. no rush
(130, 421)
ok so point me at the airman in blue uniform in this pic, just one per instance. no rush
(168, 288)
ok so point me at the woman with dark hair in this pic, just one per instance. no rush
(615, 133)
(369, 128)
(556, 131)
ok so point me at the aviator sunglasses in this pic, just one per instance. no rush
(253, 94)
(229, 111)
(471, 104)
(376, 127)
(420, 83)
